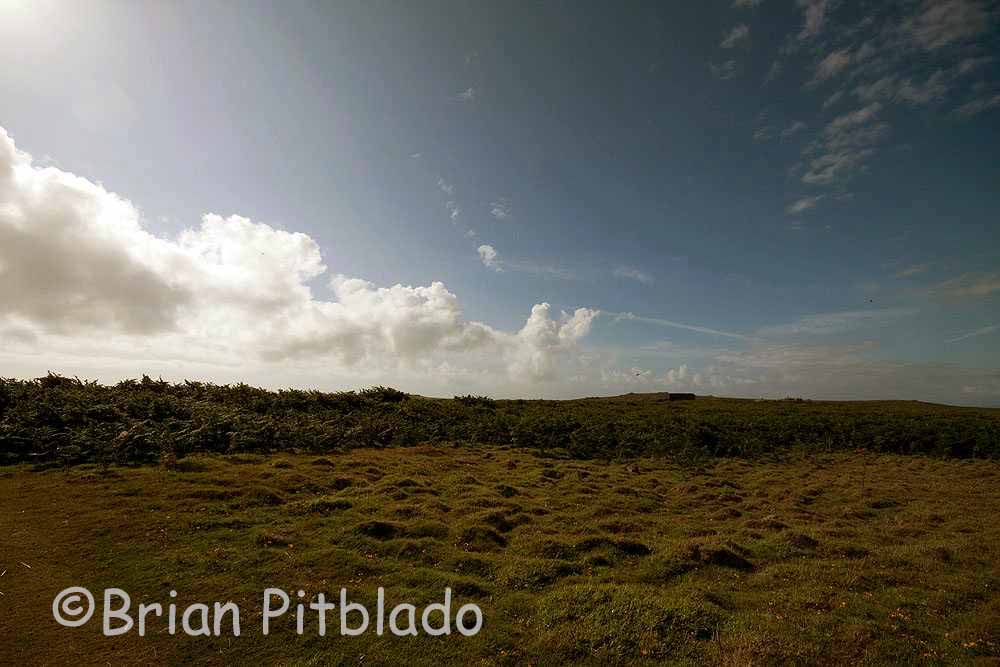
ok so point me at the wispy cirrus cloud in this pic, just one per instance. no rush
(978, 106)
(793, 129)
(501, 209)
(848, 141)
(446, 187)
(491, 259)
(967, 285)
(465, 96)
(912, 270)
(813, 17)
(725, 70)
(939, 23)
(633, 273)
(451, 205)
(803, 204)
(825, 324)
(834, 63)
(982, 331)
(733, 38)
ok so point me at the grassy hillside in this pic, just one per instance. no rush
(626, 530)
(830, 558)
(56, 420)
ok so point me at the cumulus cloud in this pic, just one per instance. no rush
(488, 256)
(739, 33)
(73, 255)
(536, 348)
(79, 275)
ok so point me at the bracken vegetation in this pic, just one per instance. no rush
(56, 420)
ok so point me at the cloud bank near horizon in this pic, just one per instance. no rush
(80, 271)
(86, 288)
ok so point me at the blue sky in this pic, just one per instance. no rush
(760, 198)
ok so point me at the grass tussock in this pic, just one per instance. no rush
(827, 558)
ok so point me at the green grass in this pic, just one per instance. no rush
(818, 557)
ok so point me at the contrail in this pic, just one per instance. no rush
(632, 317)
(975, 332)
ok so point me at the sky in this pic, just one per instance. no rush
(759, 198)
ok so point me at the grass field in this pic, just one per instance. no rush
(795, 556)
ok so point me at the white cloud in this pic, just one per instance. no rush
(854, 118)
(739, 33)
(982, 331)
(500, 209)
(847, 143)
(978, 106)
(843, 372)
(773, 72)
(833, 99)
(891, 88)
(467, 95)
(793, 129)
(803, 204)
(911, 271)
(813, 17)
(632, 273)
(489, 258)
(832, 64)
(724, 71)
(970, 65)
(539, 343)
(968, 285)
(825, 324)
(939, 23)
(631, 317)
(83, 282)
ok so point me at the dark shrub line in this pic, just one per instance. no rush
(57, 420)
